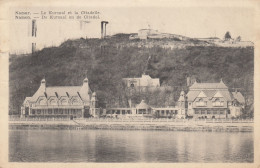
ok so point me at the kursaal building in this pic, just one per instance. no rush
(61, 101)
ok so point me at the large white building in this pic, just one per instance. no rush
(61, 101)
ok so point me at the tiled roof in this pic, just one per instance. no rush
(209, 93)
(239, 97)
(226, 95)
(27, 99)
(206, 86)
(142, 105)
(67, 91)
(63, 90)
(192, 94)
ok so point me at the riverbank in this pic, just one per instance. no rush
(135, 125)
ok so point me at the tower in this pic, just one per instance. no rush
(103, 29)
(93, 106)
(34, 34)
(182, 105)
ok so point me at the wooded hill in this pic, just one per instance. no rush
(105, 62)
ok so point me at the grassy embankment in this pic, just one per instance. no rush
(106, 62)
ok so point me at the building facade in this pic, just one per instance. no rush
(60, 101)
(213, 100)
(144, 81)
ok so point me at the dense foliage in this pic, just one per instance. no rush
(106, 62)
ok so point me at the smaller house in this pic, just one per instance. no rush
(213, 100)
(144, 81)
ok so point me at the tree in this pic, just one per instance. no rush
(227, 36)
(238, 38)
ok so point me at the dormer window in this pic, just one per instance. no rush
(201, 102)
(217, 102)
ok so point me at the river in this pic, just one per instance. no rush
(130, 146)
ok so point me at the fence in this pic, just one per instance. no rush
(168, 120)
(137, 120)
(39, 119)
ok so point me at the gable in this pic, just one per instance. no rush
(218, 94)
(202, 94)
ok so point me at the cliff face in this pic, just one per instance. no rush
(106, 62)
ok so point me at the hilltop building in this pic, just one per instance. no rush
(61, 101)
(213, 100)
(144, 81)
(144, 34)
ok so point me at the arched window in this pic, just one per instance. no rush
(64, 102)
(53, 102)
(217, 102)
(42, 102)
(201, 102)
(75, 102)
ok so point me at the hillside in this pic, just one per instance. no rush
(106, 62)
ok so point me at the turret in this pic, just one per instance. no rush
(85, 89)
(94, 102)
(181, 105)
(43, 85)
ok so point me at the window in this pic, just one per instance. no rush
(221, 112)
(162, 112)
(60, 111)
(75, 102)
(208, 112)
(123, 111)
(56, 111)
(64, 102)
(215, 112)
(33, 111)
(118, 112)
(49, 111)
(128, 112)
(167, 112)
(53, 102)
(38, 111)
(197, 112)
(200, 102)
(140, 111)
(203, 112)
(218, 103)
(42, 102)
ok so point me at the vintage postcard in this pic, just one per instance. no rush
(129, 83)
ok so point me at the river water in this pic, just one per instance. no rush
(129, 146)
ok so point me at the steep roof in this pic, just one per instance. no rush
(62, 91)
(192, 94)
(142, 105)
(210, 86)
(83, 92)
(239, 97)
(27, 99)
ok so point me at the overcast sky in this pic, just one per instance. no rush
(188, 21)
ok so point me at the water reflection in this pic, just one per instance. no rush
(129, 146)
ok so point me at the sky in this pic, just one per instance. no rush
(199, 22)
